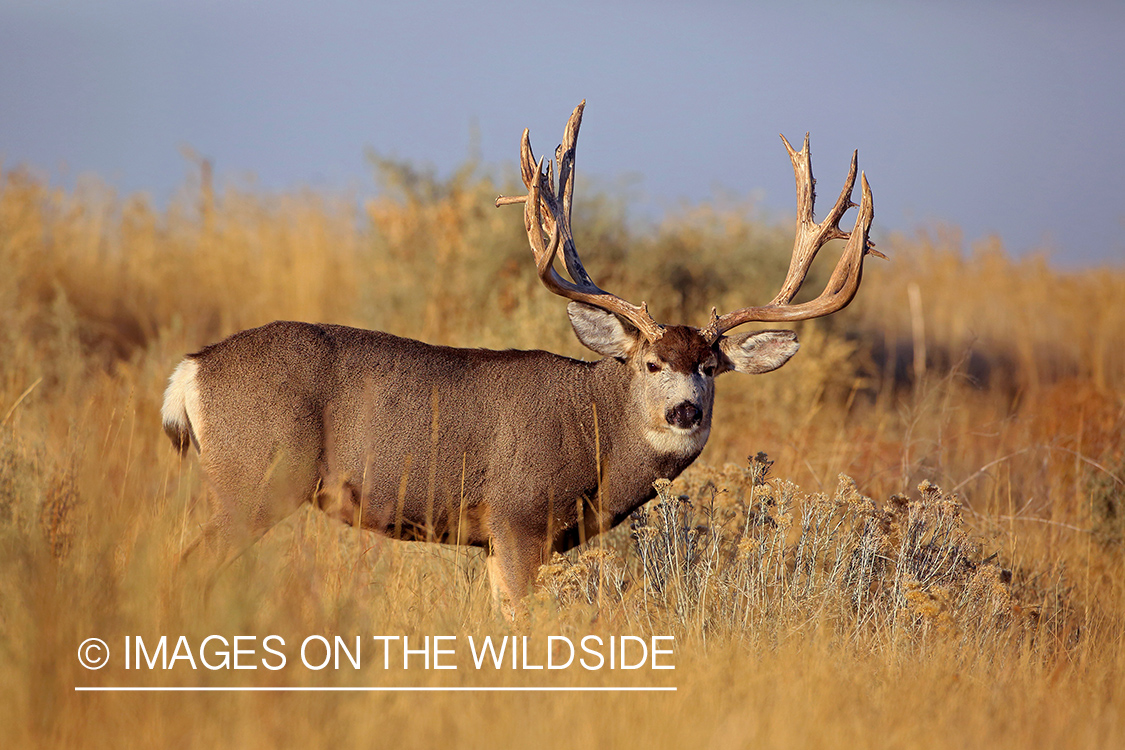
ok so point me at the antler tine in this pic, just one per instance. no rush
(537, 224)
(547, 212)
(810, 237)
(527, 171)
(528, 166)
(564, 157)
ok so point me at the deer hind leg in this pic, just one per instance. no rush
(246, 502)
(222, 537)
(207, 554)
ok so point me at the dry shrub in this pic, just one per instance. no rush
(737, 552)
(595, 576)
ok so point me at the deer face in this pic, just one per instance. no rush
(673, 378)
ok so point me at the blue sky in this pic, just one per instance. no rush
(999, 117)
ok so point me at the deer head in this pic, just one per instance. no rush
(672, 368)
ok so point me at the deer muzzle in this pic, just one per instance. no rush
(684, 415)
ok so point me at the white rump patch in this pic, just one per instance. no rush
(181, 410)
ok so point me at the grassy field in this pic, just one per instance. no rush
(910, 536)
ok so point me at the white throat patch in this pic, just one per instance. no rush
(671, 440)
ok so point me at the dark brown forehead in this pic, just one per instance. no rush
(682, 347)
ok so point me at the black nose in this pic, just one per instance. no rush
(684, 416)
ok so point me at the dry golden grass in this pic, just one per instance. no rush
(808, 608)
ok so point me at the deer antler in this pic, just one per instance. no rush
(810, 237)
(547, 211)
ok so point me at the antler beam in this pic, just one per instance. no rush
(810, 237)
(547, 212)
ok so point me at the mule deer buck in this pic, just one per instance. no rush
(521, 453)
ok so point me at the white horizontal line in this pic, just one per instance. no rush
(368, 689)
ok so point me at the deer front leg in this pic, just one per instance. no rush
(512, 565)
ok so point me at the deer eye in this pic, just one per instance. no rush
(653, 366)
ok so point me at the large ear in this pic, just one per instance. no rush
(757, 351)
(601, 330)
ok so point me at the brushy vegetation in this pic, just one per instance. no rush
(828, 593)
